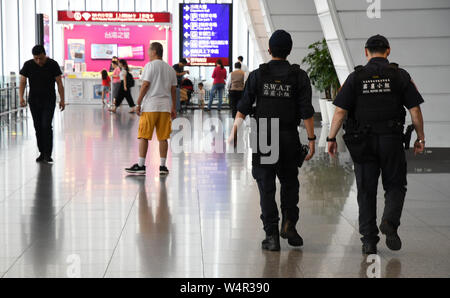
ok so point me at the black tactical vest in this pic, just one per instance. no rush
(277, 97)
(378, 96)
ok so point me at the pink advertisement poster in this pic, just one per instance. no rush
(130, 42)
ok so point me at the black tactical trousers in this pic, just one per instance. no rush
(42, 113)
(389, 160)
(288, 176)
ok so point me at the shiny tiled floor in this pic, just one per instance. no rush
(83, 217)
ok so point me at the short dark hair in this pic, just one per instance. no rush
(158, 48)
(280, 52)
(38, 50)
(379, 50)
(184, 61)
(240, 58)
(200, 84)
(238, 65)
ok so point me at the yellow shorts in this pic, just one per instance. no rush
(161, 120)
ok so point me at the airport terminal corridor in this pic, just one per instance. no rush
(84, 216)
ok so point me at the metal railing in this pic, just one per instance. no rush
(10, 104)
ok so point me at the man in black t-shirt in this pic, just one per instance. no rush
(374, 98)
(42, 74)
(179, 69)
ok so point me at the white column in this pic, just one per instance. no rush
(126, 5)
(335, 38)
(10, 36)
(28, 29)
(93, 5)
(58, 42)
(142, 5)
(110, 5)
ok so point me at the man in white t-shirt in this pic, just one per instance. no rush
(157, 107)
(244, 67)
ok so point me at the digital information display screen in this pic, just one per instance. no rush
(103, 51)
(206, 33)
(131, 52)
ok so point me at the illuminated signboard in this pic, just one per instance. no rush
(206, 33)
(104, 17)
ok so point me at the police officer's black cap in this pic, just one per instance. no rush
(378, 41)
(280, 39)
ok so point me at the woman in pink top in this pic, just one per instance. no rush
(219, 75)
(115, 82)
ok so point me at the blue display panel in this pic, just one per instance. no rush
(205, 33)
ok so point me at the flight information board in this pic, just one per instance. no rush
(206, 33)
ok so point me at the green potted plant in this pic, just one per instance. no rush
(323, 76)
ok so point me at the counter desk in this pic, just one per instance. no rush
(86, 90)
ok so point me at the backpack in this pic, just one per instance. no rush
(130, 80)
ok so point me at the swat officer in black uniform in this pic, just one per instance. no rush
(374, 98)
(282, 92)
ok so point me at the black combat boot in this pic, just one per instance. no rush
(289, 232)
(393, 241)
(272, 241)
(369, 248)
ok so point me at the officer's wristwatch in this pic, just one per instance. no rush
(312, 139)
(420, 141)
(333, 140)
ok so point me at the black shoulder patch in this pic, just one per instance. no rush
(393, 65)
(294, 69)
(359, 68)
(264, 67)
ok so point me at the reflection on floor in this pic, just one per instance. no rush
(84, 217)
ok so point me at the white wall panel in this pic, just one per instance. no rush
(1, 42)
(424, 23)
(432, 80)
(294, 23)
(58, 41)
(159, 5)
(239, 35)
(143, 5)
(77, 4)
(94, 5)
(110, 5)
(297, 55)
(44, 6)
(304, 39)
(126, 5)
(28, 29)
(10, 36)
(436, 107)
(284, 7)
(176, 24)
(408, 52)
(392, 4)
